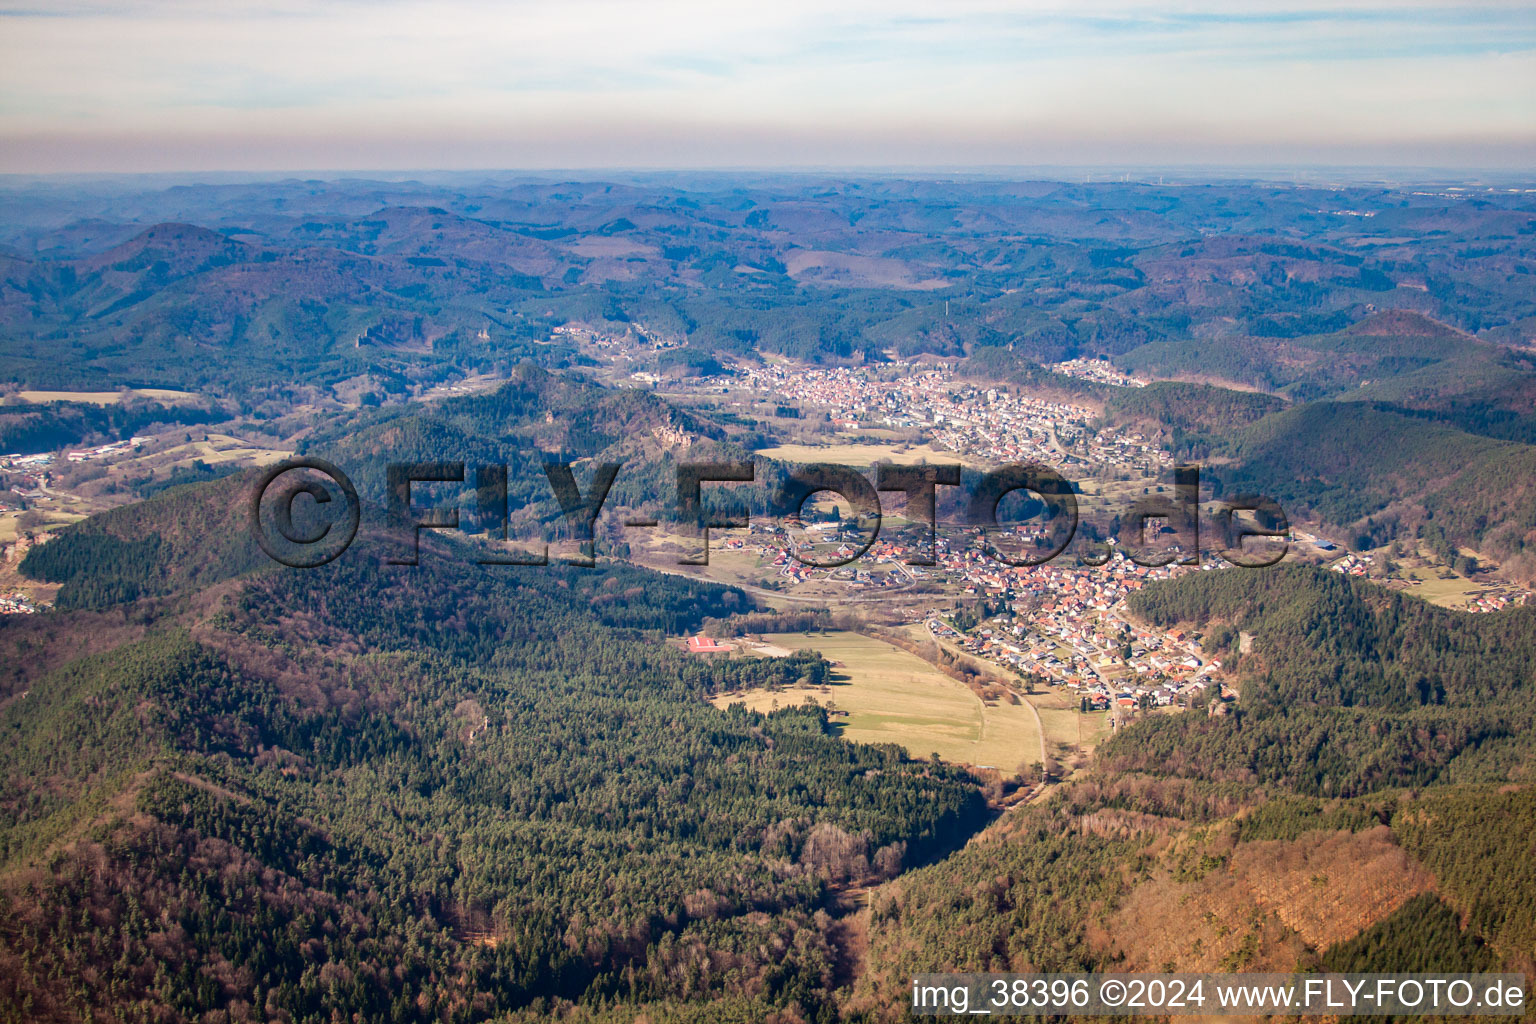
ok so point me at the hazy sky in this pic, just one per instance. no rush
(233, 84)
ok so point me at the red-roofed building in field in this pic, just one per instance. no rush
(706, 645)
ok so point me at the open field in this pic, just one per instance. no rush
(106, 397)
(1058, 708)
(53, 519)
(738, 567)
(1436, 582)
(1447, 593)
(1065, 724)
(658, 548)
(862, 454)
(472, 385)
(216, 449)
(895, 697)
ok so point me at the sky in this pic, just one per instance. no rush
(199, 85)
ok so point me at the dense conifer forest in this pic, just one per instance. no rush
(434, 794)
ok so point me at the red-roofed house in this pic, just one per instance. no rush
(706, 645)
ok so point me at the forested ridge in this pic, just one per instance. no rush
(1190, 418)
(994, 363)
(1132, 873)
(40, 428)
(1324, 638)
(188, 536)
(1366, 805)
(315, 283)
(1347, 688)
(1343, 462)
(434, 794)
(537, 417)
(184, 537)
(1448, 474)
(234, 792)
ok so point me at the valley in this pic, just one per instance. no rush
(876, 693)
(757, 790)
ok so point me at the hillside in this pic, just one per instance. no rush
(184, 538)
(218, 289)
(188, 537)
(1379, 474)
(29, 428)
(1277, 836)
(1140, 876)
(538, 417)
(533, 411)
(1347, 688)
(1001, 365)
(1190, 418)
(505, 788)
(1307, 365)
(460, 792)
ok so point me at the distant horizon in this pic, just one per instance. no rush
(163, 85)
(1095, 174)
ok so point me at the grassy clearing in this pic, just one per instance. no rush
(895, 697)
(862, 454)
(1065, 724)
(734, 566)
(1453, 592)
(1068, 732)
(216, 449)
(54, 519)
(106, 397)
(659, 549)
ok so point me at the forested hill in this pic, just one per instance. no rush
(311, 283)
(30, 428)
(1143, 875)
(198, 534)
(1479, 388)
(1366, 805)
(538, 417)
(534, 410)
(417, 794)
(1324, 638)
(1347, 688)
(188, 536)
(533, 418)
(1314, 361)
(1191, 417)
(1380, 474)
(998, 364)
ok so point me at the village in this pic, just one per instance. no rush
(1062, 626)
(1433, 583)
(1100, 371)
(1060, 623)
(979, 423)
(1067, 627)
